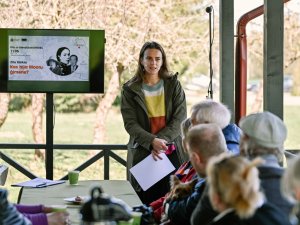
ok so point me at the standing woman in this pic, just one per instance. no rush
(153, 105)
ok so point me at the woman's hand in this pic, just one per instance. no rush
(159, 146)
(58, 218)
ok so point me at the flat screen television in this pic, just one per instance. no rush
(55, 61)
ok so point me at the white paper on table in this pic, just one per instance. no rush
(148, 171)
(38, 183)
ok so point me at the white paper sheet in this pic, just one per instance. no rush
(148, 171)
(38, 183)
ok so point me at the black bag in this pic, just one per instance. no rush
(101, 208)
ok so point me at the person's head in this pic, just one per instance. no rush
(204, 141)
(263, 134)
(290, 182)
(210, 111)
(52, 65)
(63, 55)
(51, 62)
(73, 60)
(234, 183)
(185, 126)
(152, 61)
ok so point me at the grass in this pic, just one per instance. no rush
(292, 121)
(77, 128)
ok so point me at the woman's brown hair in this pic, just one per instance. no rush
(164, 70)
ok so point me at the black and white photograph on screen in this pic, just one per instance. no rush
(65, 64)
(57, 58)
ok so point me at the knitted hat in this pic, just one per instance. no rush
(265, 128)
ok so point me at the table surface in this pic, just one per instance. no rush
(54, 195)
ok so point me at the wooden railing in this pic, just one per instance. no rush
(105, 152)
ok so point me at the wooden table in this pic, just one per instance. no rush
(54, 195)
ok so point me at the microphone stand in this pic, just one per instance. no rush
(210, 87)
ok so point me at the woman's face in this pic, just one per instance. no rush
(152, 61)
(65, 56)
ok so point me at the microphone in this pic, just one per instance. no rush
(209, 9)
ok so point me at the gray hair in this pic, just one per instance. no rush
(209, 111)
(185, 126)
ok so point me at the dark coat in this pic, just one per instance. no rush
(69, 69)
(267, 214)
(270, 183)
(62, 69)
(137, 125)
(203, 212)
(180, 211)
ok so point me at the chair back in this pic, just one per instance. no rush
(3, 174)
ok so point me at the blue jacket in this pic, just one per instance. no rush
(232, 135)
(180, 211)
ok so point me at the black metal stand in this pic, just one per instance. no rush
(210, 87)
(49, 136)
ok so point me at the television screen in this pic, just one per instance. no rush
(38, 60)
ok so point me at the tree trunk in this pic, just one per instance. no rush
(37, 104)
(106, 103)
(4, 105)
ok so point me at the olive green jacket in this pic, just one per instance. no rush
(137, 124)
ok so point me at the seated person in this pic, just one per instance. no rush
(203, 141)
(205, 112)
(42, 215)
(263, 136)
(234, 192)
(25, 214)
(9, 215)
(185, 173)
(210, 111)
(290, 186)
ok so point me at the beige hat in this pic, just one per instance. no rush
(265, 128)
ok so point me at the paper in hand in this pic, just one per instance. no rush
(148, 172)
